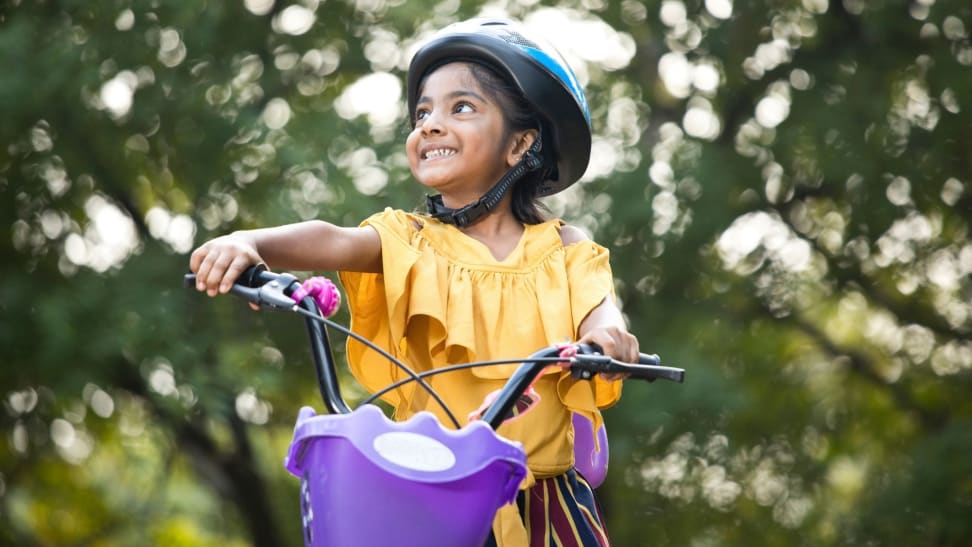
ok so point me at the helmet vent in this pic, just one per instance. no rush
(516, 38)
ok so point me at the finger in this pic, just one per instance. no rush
(633, 345)
(608, 345)
(202, 270)
(216, 273)
(233, 272)
(196, 258)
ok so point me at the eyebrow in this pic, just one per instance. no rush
(455, 95)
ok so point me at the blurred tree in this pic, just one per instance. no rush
(784, 186)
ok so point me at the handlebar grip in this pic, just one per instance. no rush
(648, 367)
(654, 372)
(643, 358)
(253, 276)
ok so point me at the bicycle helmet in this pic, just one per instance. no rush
(548, 84)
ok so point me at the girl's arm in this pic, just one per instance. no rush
(604, 325)
(306, 246)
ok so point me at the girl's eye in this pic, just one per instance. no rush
(463, 108)
(421, 114)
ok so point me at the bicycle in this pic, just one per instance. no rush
(421, 475)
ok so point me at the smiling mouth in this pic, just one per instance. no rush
(438, 153)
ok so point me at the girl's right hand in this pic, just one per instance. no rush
(218, 262)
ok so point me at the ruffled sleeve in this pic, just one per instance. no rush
(591, 281)
(379, 304)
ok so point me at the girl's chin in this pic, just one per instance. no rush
(431, 182)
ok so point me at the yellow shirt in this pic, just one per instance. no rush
(443, 299)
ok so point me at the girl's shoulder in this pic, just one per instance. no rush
(570, 234)
(397, 220)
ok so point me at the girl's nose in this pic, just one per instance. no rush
(432, 124)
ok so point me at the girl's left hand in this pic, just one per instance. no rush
(615, 342)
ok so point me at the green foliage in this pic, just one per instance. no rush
(785, 187)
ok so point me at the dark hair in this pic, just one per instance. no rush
(518, 115)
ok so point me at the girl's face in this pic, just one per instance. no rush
(460, 145)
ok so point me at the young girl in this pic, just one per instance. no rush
(498, 121)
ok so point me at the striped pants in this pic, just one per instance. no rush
(561, 512)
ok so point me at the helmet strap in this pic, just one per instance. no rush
(470, 214)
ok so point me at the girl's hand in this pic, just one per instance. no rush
(615, 342)
(218, 262)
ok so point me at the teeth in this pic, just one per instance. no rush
(439, 153)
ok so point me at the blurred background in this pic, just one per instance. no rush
(784, 185)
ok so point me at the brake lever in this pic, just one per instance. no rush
(271, 294)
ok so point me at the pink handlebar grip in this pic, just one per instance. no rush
(323, 291)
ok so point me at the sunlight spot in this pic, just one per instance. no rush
(62, 432)
(759, 229)
(899, 191)
(705, 77)
(176, 230)
(700, 121)
(661, 174)
(125, 20)
(952, 191)
(604, 158)
(377, 95)
(800, 79)
(846, 476)
(370, 180)
(952, 358)
(75, 249)
(772, 110)
(100, 401)
(720, 491)
(578, 35)
(172, 50)
(252, 409)
(72, 445)
(294, 20)
(108, 240)
(672, 13)
(19, 439)
(258, 7)
(162, 379)
(816, 6)
(53, 224)
(22, 402)
(110, 237)
(383, 50)
(954, 28)
(664, 207)
(676, 73)
(117, 94)
(720, 9)
(276, 114)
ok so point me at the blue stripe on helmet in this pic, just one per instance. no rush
(564, 74)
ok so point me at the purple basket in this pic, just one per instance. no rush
(369, 481)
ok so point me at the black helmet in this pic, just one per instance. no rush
(536, 69)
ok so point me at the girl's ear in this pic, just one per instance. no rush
(520, 143)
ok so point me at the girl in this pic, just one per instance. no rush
(498, 121)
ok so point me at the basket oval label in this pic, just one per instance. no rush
(414, 451)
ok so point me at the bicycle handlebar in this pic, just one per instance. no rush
(267, 289)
